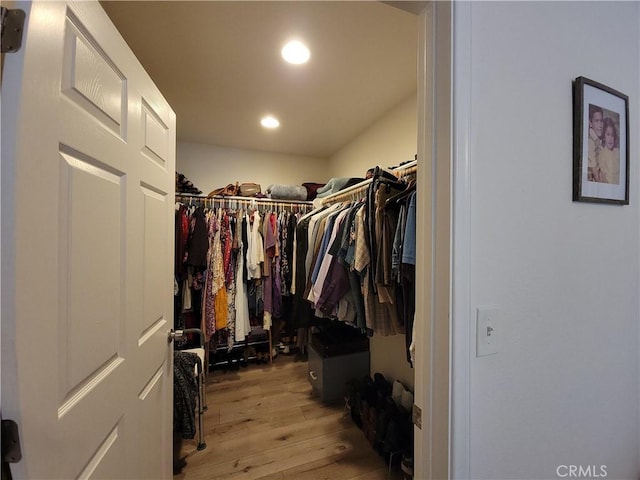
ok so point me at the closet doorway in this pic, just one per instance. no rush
(431, 22)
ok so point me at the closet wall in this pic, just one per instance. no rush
(211, 166)
(388, 141)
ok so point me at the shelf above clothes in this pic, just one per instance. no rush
(355, 192)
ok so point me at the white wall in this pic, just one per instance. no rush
(390, 140)
(210, 167)
(387, 142)
(564, 389)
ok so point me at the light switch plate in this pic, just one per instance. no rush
(488, 331)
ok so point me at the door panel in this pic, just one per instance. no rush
(90, 78)
(152, 402)
(107, 457)
(155, 206)
(91, 201)
(156, 136)
(88, 177)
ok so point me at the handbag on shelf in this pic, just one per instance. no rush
(249, 189)
(230, 190)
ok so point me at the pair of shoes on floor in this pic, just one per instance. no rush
(262, 357)
(401, 396)
(406, 465)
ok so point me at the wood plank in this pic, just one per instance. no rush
(347, 464)
(318, 409)
(288, 435)
(273, 476)
(255, 423)
(274, 460)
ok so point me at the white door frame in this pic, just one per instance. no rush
(433, 237)
(462, 315)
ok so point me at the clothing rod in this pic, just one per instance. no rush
(406, 168)
(250, 200)
(408, 171)
(346, 194)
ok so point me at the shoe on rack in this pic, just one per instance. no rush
(406, 465)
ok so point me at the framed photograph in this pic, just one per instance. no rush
(600, 143)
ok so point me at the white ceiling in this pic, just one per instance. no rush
(218, 64)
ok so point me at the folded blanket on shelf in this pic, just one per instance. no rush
(334, 185)
(287, 192)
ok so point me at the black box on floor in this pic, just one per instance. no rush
(331, 343)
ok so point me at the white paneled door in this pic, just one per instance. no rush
(88, 161)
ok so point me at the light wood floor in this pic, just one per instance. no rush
(264, 423)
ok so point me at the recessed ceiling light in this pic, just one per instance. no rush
(270, 122)
(295, 52)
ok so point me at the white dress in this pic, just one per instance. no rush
(255, 251)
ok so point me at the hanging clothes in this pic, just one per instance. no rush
(226, 273)
(243, 327)
(348, 261)
(270, 252)
(409, 275)
(255, 248)
(227, 241)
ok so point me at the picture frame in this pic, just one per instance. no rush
(600, 143)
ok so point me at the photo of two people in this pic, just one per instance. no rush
(604, 145)
(600, 143)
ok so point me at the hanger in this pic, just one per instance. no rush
(411, 187)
